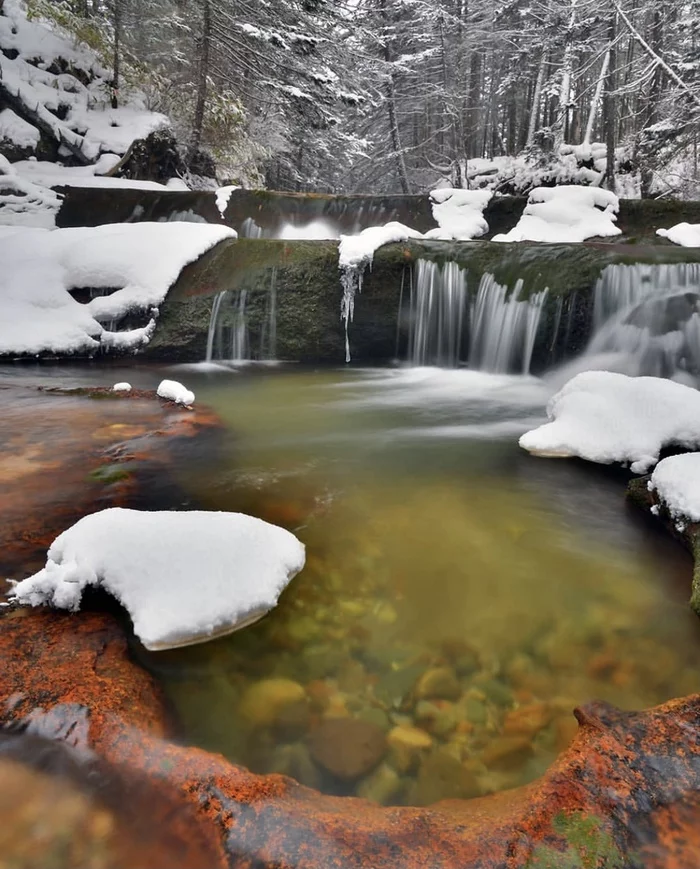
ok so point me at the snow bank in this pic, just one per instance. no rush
(459, 213)
(606, 417)
(174, 391)
(137, 263)
(676, 480)
(56, 175)
(566, 214)
(684, 234)
(183, 577)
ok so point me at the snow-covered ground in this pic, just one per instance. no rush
(676, 480)
(605, 417)
(569, 213)
(183, 577)
(23, 203)
(137, 263)
(80, 115)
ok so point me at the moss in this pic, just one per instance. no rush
(308, 292)
(109, 474)
(587, 845)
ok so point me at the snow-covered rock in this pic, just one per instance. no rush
(121, 387)
(174, 391)
(676, 480)
(606, 417)
(684, 234)
(459, 214)
(358, 250)
(183, 577)
(137, 263)
(23, 203)
(569, 213)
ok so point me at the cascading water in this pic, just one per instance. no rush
(243, 325)
(504, 327)
(496, 332)
(650, 316)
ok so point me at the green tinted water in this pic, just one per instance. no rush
(459, 599)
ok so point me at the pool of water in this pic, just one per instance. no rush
(460, 597)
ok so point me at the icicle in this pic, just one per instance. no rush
(351, 282)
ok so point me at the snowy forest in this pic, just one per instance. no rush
(397, 95)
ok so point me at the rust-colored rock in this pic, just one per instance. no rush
(625, 794)
(65, 453)
(63, 811)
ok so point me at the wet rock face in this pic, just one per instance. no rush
(63, 810)
(625, 794)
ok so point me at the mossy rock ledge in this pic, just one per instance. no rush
(309, 328)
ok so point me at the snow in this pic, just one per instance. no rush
(676, 480)
(223, 195)
(605, 417)
(23, 203)
(569, 213)
(174, 391)
(183, 577)
(357, 250)
(176, 184)
(16, 130)
(89, 123)
(684, 234)
(121, 387)
(459, 213)
(50, 174)
(139, 262)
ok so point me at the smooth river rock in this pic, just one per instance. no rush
(348, 748)
(626, 793)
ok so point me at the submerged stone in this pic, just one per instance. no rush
(348, 748)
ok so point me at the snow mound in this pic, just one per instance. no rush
(459, 213)
(73, 106)
(684, 234)
(137, 263)
(569, 213)
(605, 417)
(174, 391)
(184, 578)
(121, 387)
(676, 480)
(358, 250)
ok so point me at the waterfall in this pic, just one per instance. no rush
(243, 325)
(495, 331)
(504, 327)
(438, 315)
(650, 316)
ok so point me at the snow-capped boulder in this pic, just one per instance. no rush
(183, 577)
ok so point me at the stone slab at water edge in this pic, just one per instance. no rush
(605, 417)
(184, 577)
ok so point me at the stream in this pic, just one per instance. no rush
(459, 595)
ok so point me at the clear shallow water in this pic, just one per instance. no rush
(459, 595)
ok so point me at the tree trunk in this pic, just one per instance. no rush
(536, 98)
(202, 78)
(609, 107)
(116, 56)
